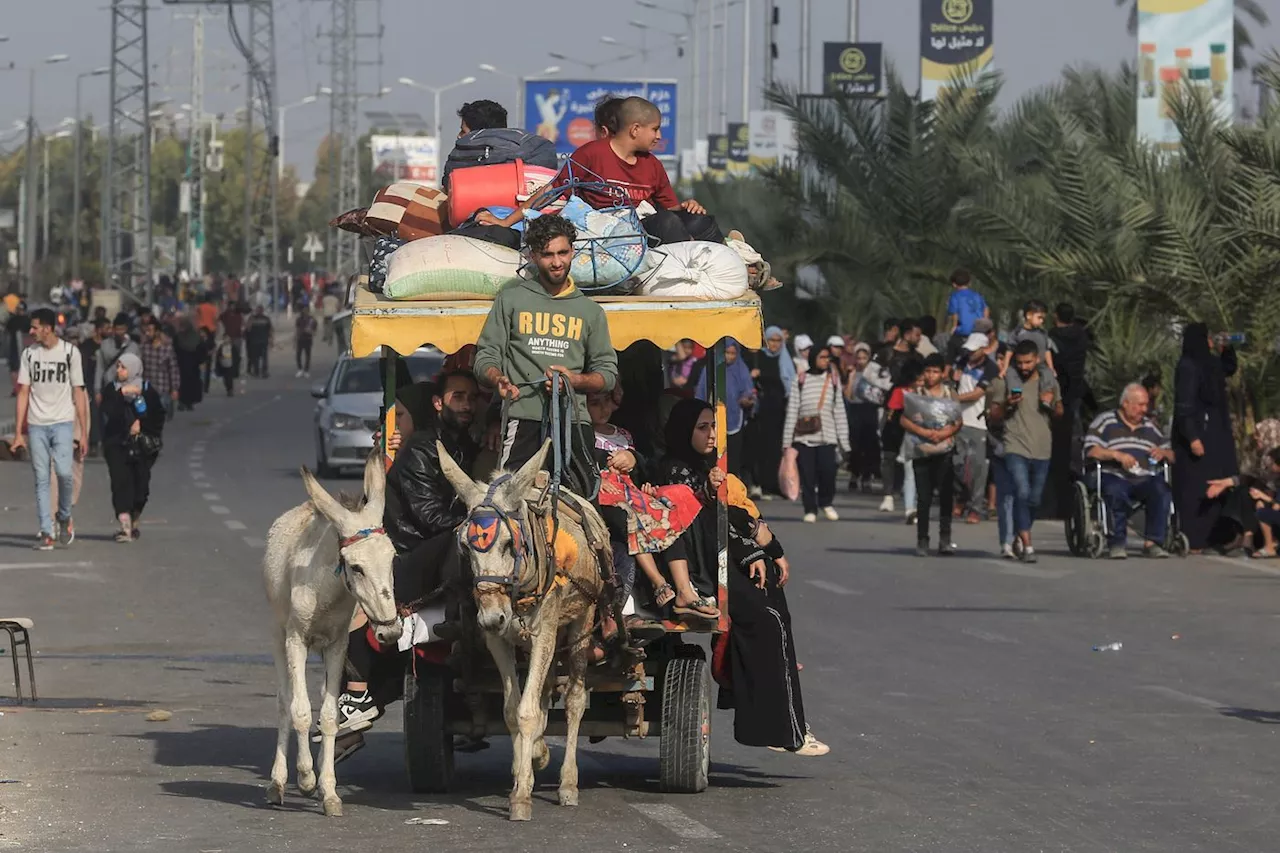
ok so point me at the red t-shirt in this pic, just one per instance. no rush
(896, 402)
(644, 180)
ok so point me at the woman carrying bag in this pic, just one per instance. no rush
(816, 426)
(132, 422)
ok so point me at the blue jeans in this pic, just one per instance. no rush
(1004, 499)
(54, 441)
(1152, 492)
(1028, 485)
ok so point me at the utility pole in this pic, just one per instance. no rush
(806, 24)
(196, 152)
(128, 225)
(746, 60)
(29, 219)
(345, 37)
(770, 45)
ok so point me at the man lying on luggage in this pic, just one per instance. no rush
(484, 139)
(540, 328)
(1130, 448)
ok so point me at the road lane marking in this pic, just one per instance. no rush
(1023, 570)
(828, 586)
(675, 820)
(219, 510)
(13, 566)
(1184, 697)
(254, 542)
(211, 496)
(92, 577)
(1239, 563)
(195, 463)
(232, 524)
(987, 636)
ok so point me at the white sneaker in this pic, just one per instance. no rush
(810, 748)
(298, 375)
(886, 505)
(810, 518)
(1006, 551)
(830, 514)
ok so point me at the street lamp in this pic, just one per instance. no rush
(520, 81)
(62, 134)
(79, 172)
(309, 99)
(29, 211)
(591, 66)
(643, 50)
(437, 91)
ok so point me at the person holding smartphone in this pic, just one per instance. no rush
(1025, 400)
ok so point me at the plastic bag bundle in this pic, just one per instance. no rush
(931, 413)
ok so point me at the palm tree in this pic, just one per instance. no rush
(1243, 38)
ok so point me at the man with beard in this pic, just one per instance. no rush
(535, 330)
(422, 510)
(110, 351)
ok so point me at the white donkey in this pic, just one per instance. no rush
(523, 599)
(323, 558)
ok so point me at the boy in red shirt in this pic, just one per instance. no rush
(624, 159)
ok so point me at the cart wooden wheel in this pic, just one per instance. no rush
(684, 754)
(428, 745)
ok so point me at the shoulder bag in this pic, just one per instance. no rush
(812, 424)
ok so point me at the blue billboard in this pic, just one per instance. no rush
(564, 110)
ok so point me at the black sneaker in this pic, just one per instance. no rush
(922, 548)
(66, 532)
(947, 548)
(355, 714)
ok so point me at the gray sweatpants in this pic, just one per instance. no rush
(970, 462)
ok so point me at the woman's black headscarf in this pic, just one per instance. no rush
(679, 432)
(1195, 342)
(416, 398)
(814, 370)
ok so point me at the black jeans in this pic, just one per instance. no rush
(130, 479)
(681, 226)
(934, 473)
(303, 351)
(257, 351)
(524, 439)
(817, 475)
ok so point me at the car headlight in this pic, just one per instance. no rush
(341, 421)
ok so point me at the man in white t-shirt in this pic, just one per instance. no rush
(53, 420)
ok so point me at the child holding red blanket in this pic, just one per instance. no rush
(648, 520)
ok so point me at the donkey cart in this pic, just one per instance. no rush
(452, 687)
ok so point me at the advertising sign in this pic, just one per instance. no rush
(564, 110)
(1182, 43)
(955, 36)
(851, 68)
(773, 139)
(406, 158)
(717, 156)
(739, 146)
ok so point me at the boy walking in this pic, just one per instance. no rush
(932, 460)
(53, 412)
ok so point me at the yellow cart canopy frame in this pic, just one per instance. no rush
(404, 326)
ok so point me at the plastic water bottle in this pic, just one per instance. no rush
(1109, 647)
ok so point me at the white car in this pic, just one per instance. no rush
(350, 403)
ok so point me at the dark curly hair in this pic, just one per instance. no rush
(483, 115)
(539, 233)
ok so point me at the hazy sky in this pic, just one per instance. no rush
(437, 43)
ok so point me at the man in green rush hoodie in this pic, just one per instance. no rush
(537, 329)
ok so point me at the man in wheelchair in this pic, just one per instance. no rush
(1131, 451)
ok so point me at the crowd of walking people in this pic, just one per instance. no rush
(979, 425)
(106, 387)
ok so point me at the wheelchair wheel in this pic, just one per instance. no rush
(1097, 544)
(1079, 523)
(1179, 545)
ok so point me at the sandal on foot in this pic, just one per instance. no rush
(664, 595)
(642, 631)
(700, 608)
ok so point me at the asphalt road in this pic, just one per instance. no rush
(962, 701)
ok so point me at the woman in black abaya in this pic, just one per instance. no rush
(756, 662)
(1203, 442)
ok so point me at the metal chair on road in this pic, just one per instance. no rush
(19, 628)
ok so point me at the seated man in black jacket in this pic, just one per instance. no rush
(484, 139)
(421, 513)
